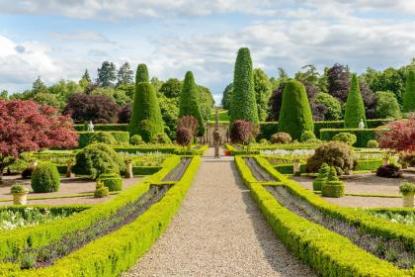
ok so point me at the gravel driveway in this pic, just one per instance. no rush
(219, 232)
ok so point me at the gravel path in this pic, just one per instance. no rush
(218, 232)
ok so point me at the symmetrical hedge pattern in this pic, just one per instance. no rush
(295, 114)
(243, 103)
(409, 95)
(355, 108)
(189, 102)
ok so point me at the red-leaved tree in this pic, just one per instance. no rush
(28, 126)
(399, 136)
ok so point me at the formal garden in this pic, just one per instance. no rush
(92, 177)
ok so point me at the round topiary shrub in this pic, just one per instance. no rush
(111, 180)
(347, 138)
(184, 136)
(307, 136)
(336, 154)
(136, 140)
(46, 178)
(281, 137)
(372, 144)
(103, 137)
(97, 158)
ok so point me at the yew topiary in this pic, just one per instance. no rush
(141, 74)
(295, 114)
(355, 108)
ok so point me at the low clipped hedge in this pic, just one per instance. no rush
(111, 180)
(145, 170)
(120, 137)
(362, 135)
(371, 164)
(13, 244)
(127, 244)
(162, 148)
(327, 252)
(103, 127)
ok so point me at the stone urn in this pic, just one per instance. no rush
(19, 193)
(296, 167)
(129, 169)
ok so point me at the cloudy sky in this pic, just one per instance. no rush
(59, 39)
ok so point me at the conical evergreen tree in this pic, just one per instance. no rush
(243, 104)
(141, 74)
(295, 114)
(189, 102)
(409, 95)
(355, 108)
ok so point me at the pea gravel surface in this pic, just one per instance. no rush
(218, 231)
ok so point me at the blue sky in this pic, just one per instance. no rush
(59, 39)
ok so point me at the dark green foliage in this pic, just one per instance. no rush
(113, 137)
(161, 138)
(146, 119)
(263, 91)
(333, 106)
(106, 74)
(189, 102)
(355, 109)
(45, 178)
(136, 140)
(321, 180)
(111, 180)
(336, 154)
(125, 75)
(227, 97)
(307, 136)
(346, 137)
(141, 74)
(171, 88)
(333, 187)
(243, 104)
(103, 137)
(362, 135)
(281, 137)
(409, 95)
(96, 159)
(295, 115)
(387, 105)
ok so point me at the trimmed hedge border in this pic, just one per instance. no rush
(162, 148)
(14, 243)
(127, 243)
(103, 127)
(362, 135)
(121, 137)
(329, 253)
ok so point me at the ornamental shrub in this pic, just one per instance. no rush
(355, 108)
(97, 158)
(190, 102)
(161, 138)
(111, 180)
(103, 137)
(146, 119)
(243, 104)
(307, 136)
(281, 137)
(333, 106)
(136, 140)
(184, 136)
(409, 95)
(322, 176)
(46, 178)
(389, 171)
(333, 187)
(372, 144)
(101, 190)
(242, 132)
(295, 115)
(387, 105)
(334, 153)
(346, 137)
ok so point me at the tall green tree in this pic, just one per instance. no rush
(355, 108)
(243, 105)
(85, 80)
(142, 74)
(387, 105)
(190, 101)
(227, 96)
(295, 114)
(106, 74)
(409, 95)
(125, 75)
(263, 92)
(39, 86)
(171, 88)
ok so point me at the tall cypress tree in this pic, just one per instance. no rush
(355, 108)
(409, 96)
(243, 104)
(146, 119)
(141, 74)
(295, 114)
(189, 101)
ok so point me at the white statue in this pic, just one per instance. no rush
(361, 124)
(90, 126)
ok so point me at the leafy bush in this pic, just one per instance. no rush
(103, 137)
(242, 132)
(399, 135)
(407, 188)
(295, 115)
(136, 140)
(387, 105)
(184, 136)
(281, 137)
(389, 171)
(334, 153)
(101, 190)
(45, 178)
(372, 143)
(124, 114)
(161, 138)
(111, 180)
(96, 159)
(333, 106)
(347, 138)
(307, 136)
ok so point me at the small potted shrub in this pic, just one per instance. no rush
(333, 187)
(408, 190)
(322, 176)
(19, 194)
(101, 190)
